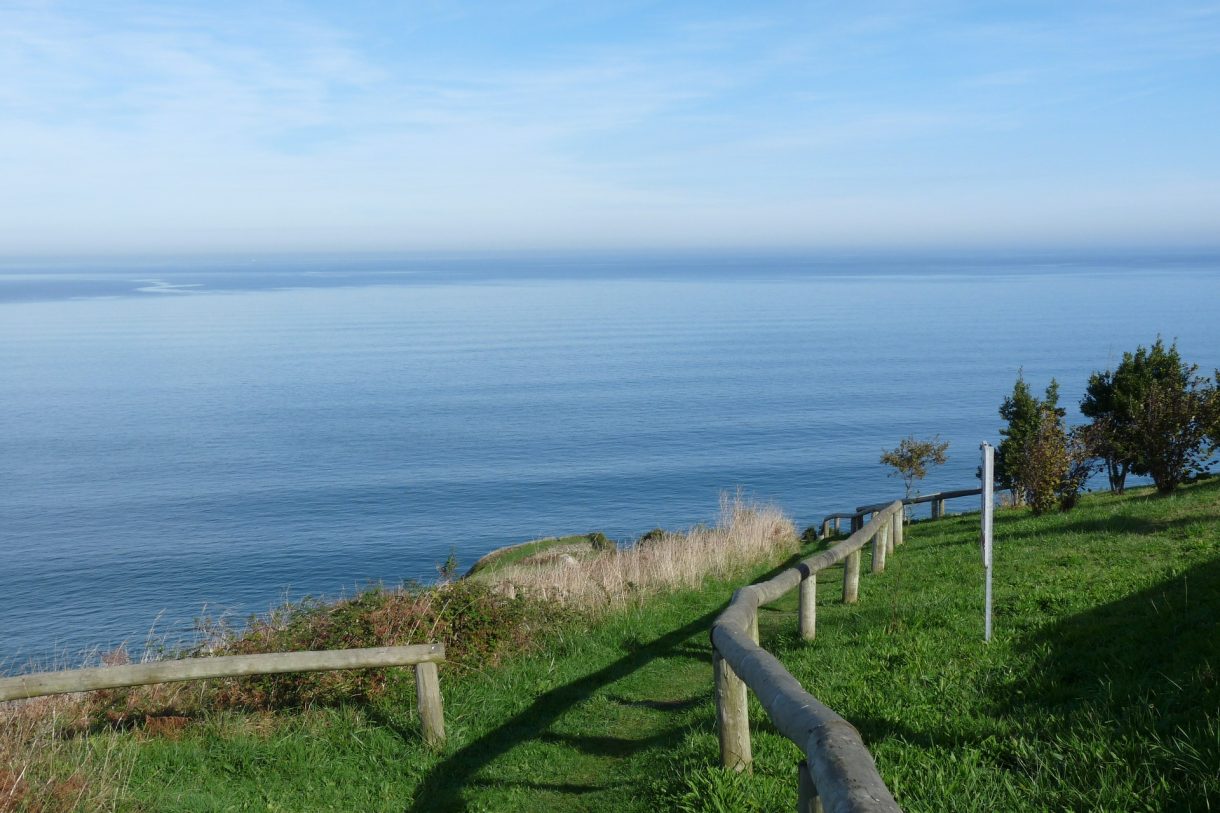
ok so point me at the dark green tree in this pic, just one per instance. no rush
(1104, 436)
(1151, 416)
(1023, 413)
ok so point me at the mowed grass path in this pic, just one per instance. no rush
(582, 727)
(1098, 692)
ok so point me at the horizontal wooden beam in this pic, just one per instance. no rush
(940, 495)
(114, 677)
(842, 770)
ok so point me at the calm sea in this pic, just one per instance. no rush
(202, 437)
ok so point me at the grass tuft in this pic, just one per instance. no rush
(745, 535)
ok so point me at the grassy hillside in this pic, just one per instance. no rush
(535, 549)
(1099, 692)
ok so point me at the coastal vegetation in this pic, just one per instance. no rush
(1098, 691)
(745, 535)
(538, 551)
(1154, 415)
(912, 457)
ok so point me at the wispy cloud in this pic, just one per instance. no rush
(192, 125)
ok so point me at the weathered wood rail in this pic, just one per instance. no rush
(423, 657)
(831, 522)
(838, 774)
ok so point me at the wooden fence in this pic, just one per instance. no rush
(423, 657)
(830, 523)
(838, 774)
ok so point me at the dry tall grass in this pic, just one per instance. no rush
(49, 763)
(746, 534)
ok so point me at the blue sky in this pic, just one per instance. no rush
(306, 126)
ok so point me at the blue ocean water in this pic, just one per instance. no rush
(206, 437)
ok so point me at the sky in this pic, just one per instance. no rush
(367, 126)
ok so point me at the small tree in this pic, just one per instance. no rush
(1054, 464)
(448, 569)
(1215, 413)
(1023, 412)
(1105, 436)
(1151, 416)
(912, 457)
(1082, 463)
(1043, 465)
(1173, 422)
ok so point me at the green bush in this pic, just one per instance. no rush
(600, 542)
(1042, 467)
(655, 535)
(1153, 416)
(1024, 415)
(912, 457)
(477, 626)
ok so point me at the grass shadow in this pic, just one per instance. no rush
(442, 788)
(1145, 668)
(1161, 641)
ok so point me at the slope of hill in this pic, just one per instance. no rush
(1100, 691)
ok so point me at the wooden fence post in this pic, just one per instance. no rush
(431, 712)
(900, 522)
(807, 617)
(857, 522)
(807, 799)
(889, 534)
(731, 715)
(938, 509)
(851, 577)
(879, 548)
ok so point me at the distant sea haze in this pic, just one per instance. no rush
(203, 438)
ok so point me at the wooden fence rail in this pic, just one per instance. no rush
(423, 657)
(841, 775)
(831, 522)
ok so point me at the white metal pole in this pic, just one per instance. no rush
(987, 518)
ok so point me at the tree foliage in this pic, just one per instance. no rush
(912, 457)
(1151, 416)
(1106, 433)
(1024, 415)
(1082, 463)
(1042, 467)
(1054, 464)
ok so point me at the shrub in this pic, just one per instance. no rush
(600, 542)
(911, 458)
(655, 535)
(1082, 463)
(448, 569)
(1152, 415)
(476, 625)
(1053, 465)
(1042, 467)
(1024, 413)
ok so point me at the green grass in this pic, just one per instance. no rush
(1098, 692)
(502, 558)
